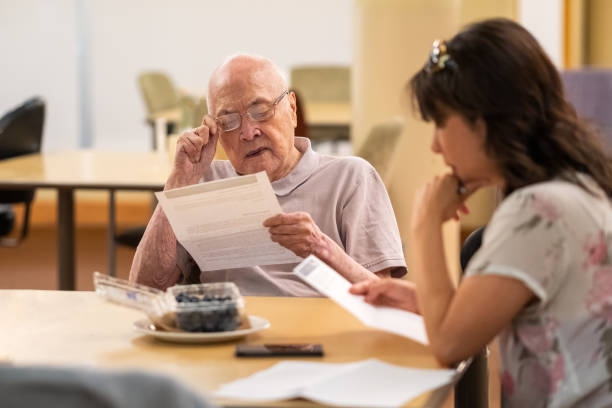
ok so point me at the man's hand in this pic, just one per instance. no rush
(299, 233)
(195, 150)
(397, 293)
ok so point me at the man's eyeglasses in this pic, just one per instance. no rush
(259, 112)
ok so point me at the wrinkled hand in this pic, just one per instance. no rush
(438, 200)
(298, 233)
(195, 150)
(397, 293)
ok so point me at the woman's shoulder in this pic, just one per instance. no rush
(557, 193)
(553, 201)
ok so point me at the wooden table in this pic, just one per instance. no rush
(67, 171)
(80, 328)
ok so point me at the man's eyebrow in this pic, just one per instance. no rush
(224, 112)
(259, 99)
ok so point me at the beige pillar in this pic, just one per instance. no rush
(392, 41)
(599, 32)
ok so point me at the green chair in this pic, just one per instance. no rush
(162, 99)
(322, 83)
(379, 145)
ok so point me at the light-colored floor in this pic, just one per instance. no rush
(33, 264)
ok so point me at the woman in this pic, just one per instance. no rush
(542, 279)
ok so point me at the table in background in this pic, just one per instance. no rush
(328, 121)
(68, 171)
(80, 328)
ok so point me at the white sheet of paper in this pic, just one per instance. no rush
(220, 222)
(329, 282)
(284, 380)
(368, 383)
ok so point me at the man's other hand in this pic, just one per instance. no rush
(299, 233)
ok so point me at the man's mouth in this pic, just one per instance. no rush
(256, 152)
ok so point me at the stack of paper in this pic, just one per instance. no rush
(369, 383)
(332, 284)
(220, 222)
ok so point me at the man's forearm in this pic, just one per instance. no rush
(154, 263)
(334, 256)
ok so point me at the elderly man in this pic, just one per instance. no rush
(334, 208)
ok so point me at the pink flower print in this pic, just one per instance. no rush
(507, 383)
(538, 338)
(599, 302)
(556, 373)
(596, 248)
(546, 378)
(545, 208)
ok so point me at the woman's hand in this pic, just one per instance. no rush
(441, 199)
(397, 293)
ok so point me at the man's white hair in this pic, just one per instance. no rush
(255, 57)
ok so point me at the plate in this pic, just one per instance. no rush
(145, 326)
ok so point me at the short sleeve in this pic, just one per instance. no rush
(369, 228)
(525, 240)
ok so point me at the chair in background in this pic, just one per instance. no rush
(379, 145)
(163, 100)
(590, 91)
(21, 133)
(472, 390)
(323, 84)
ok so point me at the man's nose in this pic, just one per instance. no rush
(249, 128)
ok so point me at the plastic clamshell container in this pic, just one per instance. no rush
(150, 300)
(208, 307)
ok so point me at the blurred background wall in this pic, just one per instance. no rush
(83, 56)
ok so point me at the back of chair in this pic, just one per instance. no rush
(21, 129)
(322, 83)
(302, 128)
(158, 91)
(472, 390)
(590, 91)
(380, 143)
(20, 133)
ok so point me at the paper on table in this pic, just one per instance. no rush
(368, 383)
(281, 381)
(220, 222)
(333, 285)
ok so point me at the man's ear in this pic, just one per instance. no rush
(293, 104)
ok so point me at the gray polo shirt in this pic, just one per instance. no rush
(346, 199)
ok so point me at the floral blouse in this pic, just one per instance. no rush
(556, 238)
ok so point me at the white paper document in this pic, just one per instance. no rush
(368, 383)
(329, 282)
(220, 222)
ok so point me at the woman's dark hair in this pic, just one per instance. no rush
(497, 71)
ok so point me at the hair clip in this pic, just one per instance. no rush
(439, 58)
